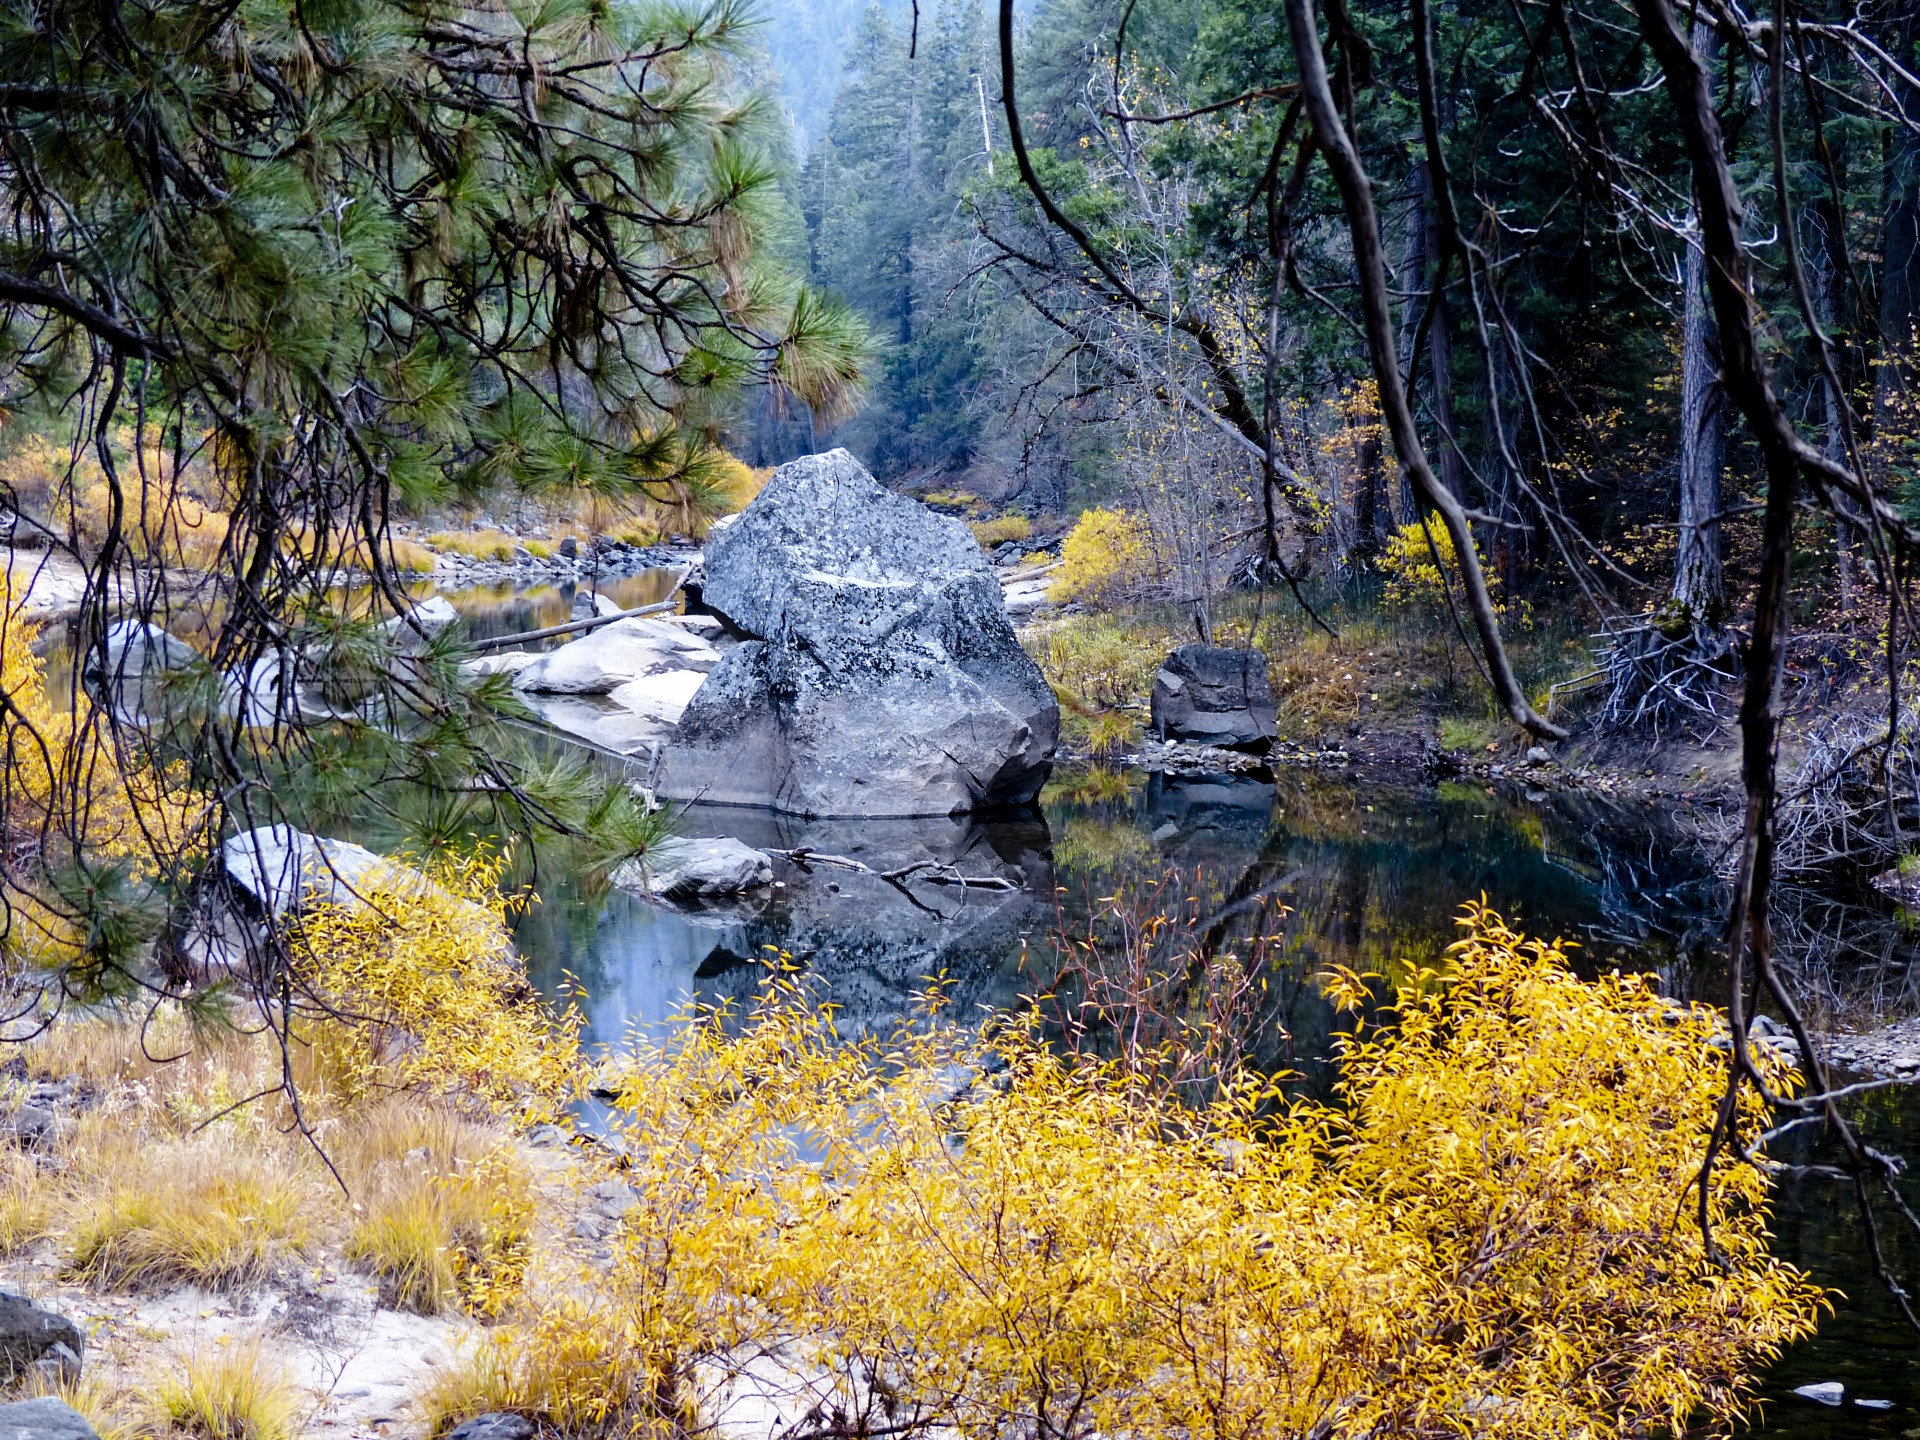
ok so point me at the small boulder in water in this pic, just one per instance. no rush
(607, 658)
(688, 869)
(1827, 1392)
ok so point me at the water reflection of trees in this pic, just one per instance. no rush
(1371, 877)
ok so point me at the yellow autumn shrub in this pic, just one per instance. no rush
(76, 794)
(419, 987)
(1412, 578)
(1492, 1236)
(1105, 552)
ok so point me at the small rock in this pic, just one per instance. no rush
(569, 548)
(1539, 755)
(494, 1425)
(1827, 1392)
(44, 1418)
(1874, 1404)
(28, 1333)
(683, 869)
(29, 1127)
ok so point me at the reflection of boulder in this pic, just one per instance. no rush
(871, 946)
(883, 678)
(1214, 695)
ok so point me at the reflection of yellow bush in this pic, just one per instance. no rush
(1000, 529)
(1482, 1234)
(1105, 552)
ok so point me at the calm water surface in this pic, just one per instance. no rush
(1331, 870)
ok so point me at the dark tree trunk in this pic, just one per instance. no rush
(1900, 244)
(1699, 583)
(1824, 239)
(1440, 355)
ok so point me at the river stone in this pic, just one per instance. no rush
(1827, 1392)
(494, 1425)
(285, 869)
(604, 659)
(500, 662)
(29, 1333)
(882, 677)
(44, 1417)
(685, 869)
(139, 658)
(1214, 695)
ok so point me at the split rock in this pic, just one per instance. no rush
(685, 869)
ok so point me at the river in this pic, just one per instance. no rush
(1326, 869)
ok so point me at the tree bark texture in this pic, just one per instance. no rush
(1699, 576)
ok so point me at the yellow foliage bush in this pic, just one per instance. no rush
(164, 520)
(1000, 529)
(64, 783)
(1104, 553)
(1491, 1237)
(420, 988)
(1407, 563)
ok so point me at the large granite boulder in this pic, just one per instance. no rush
(133, 676)
(44, 1417)
(1214, 695)
(286, 870)
(881, 676)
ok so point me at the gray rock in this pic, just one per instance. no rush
(595, 720)
(1827, 1392)
(139, 659)
(44, 1418)
(883, 679)
(685, 869)
(494, 1425)
(662, 697)
(1539, 755)
(500, 662)
(607, 605)
(1214, 695)
(604, 659)
(285, 869)
(569, 549)
(431, 615)
(29, 1333)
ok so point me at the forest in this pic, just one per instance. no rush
(1054, 719)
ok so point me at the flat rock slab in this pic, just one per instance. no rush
(663, 696)
(602, 660)
(1215, 696)
(687, 869)
(597, 721)
(883, 677)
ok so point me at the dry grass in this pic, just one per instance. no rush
(1000, 529)
(443, 1216)
(222, 1392)
(205, 1212)
(489, 544)
(26, 1204)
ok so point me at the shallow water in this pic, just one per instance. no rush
(1328, 869)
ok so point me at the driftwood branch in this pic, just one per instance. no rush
(501, 642)
(932, 871)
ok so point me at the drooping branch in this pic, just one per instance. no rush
(1363, 224)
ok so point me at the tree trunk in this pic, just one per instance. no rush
(1699, 584)
(1824, 237)
(1900, 244)
(1413, 279)
(1440, 352)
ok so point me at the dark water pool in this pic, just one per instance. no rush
(1333, 870)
